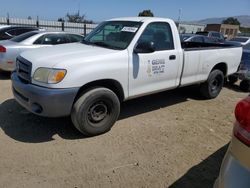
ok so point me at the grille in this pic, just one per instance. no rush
(23, 68)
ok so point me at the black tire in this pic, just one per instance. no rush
(212, 87)
(232, 79)
(245, 85)
(96, 111)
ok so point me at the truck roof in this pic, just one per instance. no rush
(140, 19)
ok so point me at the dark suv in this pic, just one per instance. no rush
(212, 34)
(9, 32)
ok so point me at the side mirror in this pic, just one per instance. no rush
(144, 47)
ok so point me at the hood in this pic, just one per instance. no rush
(50, 56)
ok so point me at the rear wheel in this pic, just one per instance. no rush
(245, 85)
(96, 111)
(212, 87)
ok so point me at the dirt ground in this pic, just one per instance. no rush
(173, 139)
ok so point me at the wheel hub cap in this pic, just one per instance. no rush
(98, 112)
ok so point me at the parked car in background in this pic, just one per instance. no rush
(235, 169)
(197, 38)
(242, 40)
(8, 32)
(244, 70)
(10, 49)
(212, 34)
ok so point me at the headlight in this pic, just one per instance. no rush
(48, 75)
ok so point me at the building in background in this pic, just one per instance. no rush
(229, 31)
(190, 27)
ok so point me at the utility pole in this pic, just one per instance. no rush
(179, 19)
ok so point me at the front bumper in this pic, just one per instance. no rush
(43, 101)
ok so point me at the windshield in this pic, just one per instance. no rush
(113, 34)
(238, 39)
(23, 37)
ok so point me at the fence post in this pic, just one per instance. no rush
(8, 19)
(37, 21)
(62, 25)
(85, 29)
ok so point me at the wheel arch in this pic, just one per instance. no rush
(222, 67)
(111, 84)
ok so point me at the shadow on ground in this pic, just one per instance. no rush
(23, 126)
(235, 87)
(204, 174)
(4, 75)
(160, 100)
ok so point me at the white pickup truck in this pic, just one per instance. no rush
(121, 59)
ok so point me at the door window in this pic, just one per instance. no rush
(160, 34)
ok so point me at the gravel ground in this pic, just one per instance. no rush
(173, 139)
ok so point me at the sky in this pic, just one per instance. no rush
(98, 11)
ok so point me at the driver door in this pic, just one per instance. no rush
(159, 70)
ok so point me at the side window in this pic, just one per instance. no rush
(216, 35)
(197, 39)
(221, 36)
(52, 39)
(75, 38)
(60, 39)
(160, 34)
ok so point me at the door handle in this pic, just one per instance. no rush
(172, 57)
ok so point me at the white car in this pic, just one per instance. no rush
(10, 49)
(121, 59)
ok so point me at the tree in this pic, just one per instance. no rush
(60, 20)
(76, 18)
(29, 18)
(146, 13)
(231, 20)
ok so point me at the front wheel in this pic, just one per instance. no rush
(96, 111)
(212, 87)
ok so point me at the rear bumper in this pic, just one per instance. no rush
(43, 101)
(7, 65)
(233, 173)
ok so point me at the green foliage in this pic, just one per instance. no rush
(76, 18)
(60, 20)
(231, 20)
(146, 13)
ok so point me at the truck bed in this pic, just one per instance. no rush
(199, 46)
(200, 58)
